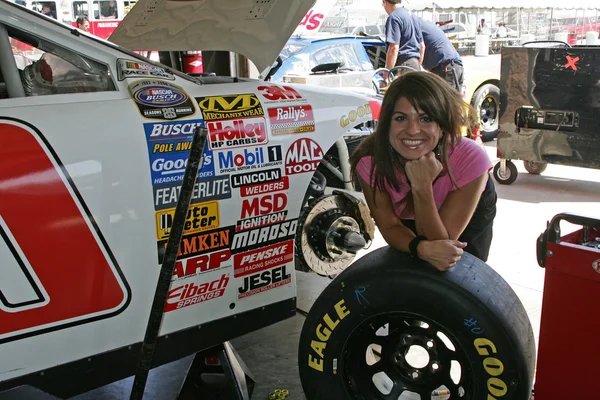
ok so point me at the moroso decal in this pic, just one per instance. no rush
(261, 220)
(353, 115)
(201, 243)
(41, 290)
(200, 217)
(304, 155)
(192, 293)
(274, 93)
(291, 119)
(260, 259)
(265, 187)
(158, 99)
(323, 333)
(231, 106)
(265, 236)
(247, 159)
(200, 264)
(237, 133)
(266, 280)
(136, 69)
(263, 205)
(212, 188)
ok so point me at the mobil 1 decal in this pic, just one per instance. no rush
(245, 159)
(291, 119)
(303, 156)
(169, 145)
(205, 189)
(161, 100)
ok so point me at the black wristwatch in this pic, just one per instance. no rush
(412, 246)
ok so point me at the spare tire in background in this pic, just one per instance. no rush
(389, 325)
(486, 102)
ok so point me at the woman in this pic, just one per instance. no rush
(427, 187)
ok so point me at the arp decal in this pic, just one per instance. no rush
(35, 295)
(247, 159)
(303, 156)
(263, 281)
(237, 133)
(265, 236)
(279, 94)
(262, 205)
(263, 258)
(212, 188)
(193, 293)
(323, 333)
(261, 220)
(201, 243)
(264, 187)
(291, 119)
(161, 100)
(137, 69)
(229, 107)
(252, 178)
(353, 115)
(201, 217)
(200, 264)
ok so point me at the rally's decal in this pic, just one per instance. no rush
(230, 106)
(138, 69)
(291, 119)
(239, 132)
(303, 156)
(265, 280)
(41, 289)
(200, 217)
(161, 100)
(244, 159)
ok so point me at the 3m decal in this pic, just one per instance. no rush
(260, 259)
(136, 69)
(161, 100)
(265, 236)
(265, 187)
(200, 264)
(212, 188)
(274, 93)
(261, 220)
(262, 205)
(170, 167)
(323, 333)
(353, 115)
(200, 217)
(493, 366)
(304, 155)
(291, 119)
(228, 107)
(247, 159)
(192, 293)
(237, 133)
(266, 280)
(201, 243)
(41, 289)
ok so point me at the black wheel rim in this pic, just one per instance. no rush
(392, 369)
(489, 113)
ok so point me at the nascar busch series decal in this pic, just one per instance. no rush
(291, 119)
(193, 293)
(265, 236)
(200, 264)
(213, 188)
(201, 243)
(229, 107)
(200, 217)
(263, 281)
(161, 100)
(136, 69)
(304, 155)
(246, 159)
(264, 258)
(237, 133)
(279, 94)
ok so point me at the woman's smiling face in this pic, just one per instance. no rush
(412, 132)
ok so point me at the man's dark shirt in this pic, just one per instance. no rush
(400, 30)
(438, 48)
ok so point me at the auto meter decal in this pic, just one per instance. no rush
(161, 100)
(230, 106)
(303, 156)
(201, 217)
(137, 69)
(291, 119)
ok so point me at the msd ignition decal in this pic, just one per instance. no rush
(213, 188)
(291, 119)
(264, 258)
(193, 293)
(262, 211)
(200, 217)
(157, 99)
(136, 69)
(304, 155)
(248, 159)
(265, 236)
(263, 281)
(279, 94)
(240, 132)
(230, 106)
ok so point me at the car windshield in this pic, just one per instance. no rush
(291, 48)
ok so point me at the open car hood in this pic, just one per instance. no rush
(256, 29)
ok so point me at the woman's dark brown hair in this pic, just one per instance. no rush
(430, 94)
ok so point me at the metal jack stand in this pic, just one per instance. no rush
(239, 383)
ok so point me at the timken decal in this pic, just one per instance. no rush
(265, 236)
(266, 187)
(266, 280)
(304, 155)
(263, 258)
(228, 107)
(192, 293)
(237, 133)
(201, 243)
(200, 217)
(248, 159)
(200, 264)
(291, 119)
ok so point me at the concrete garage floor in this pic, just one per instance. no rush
(271, 353)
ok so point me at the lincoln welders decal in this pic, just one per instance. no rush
(291, 119)
(158, 99)
(231, 106)
(211, 188)
(248, 159)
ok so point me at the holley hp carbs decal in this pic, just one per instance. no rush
(158, 99)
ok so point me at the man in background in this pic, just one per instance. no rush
(83, 23)
(400, 35)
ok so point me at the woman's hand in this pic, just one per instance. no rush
(442, 254)
(423, 171)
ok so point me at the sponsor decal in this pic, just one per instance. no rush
(304, 155)
(200, 217)
(323, 333)
(211, 188)
(264, 258)
(170, 167)
(264, 236)
(229, 107)
(291, 119)
(200, 264)
(193, 293)
(201, 243)
(275, 93)
(251, 178)
(266, 280)
(264, 187)
(247, 159)
(161, 132)
(237, 133)
(262, 205)
(353, 115)
(136, 69)
(261, 220)
(161, 100)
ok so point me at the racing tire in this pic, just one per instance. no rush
(486, 102)
(535, 167)
(366, 319)
(509, 177)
